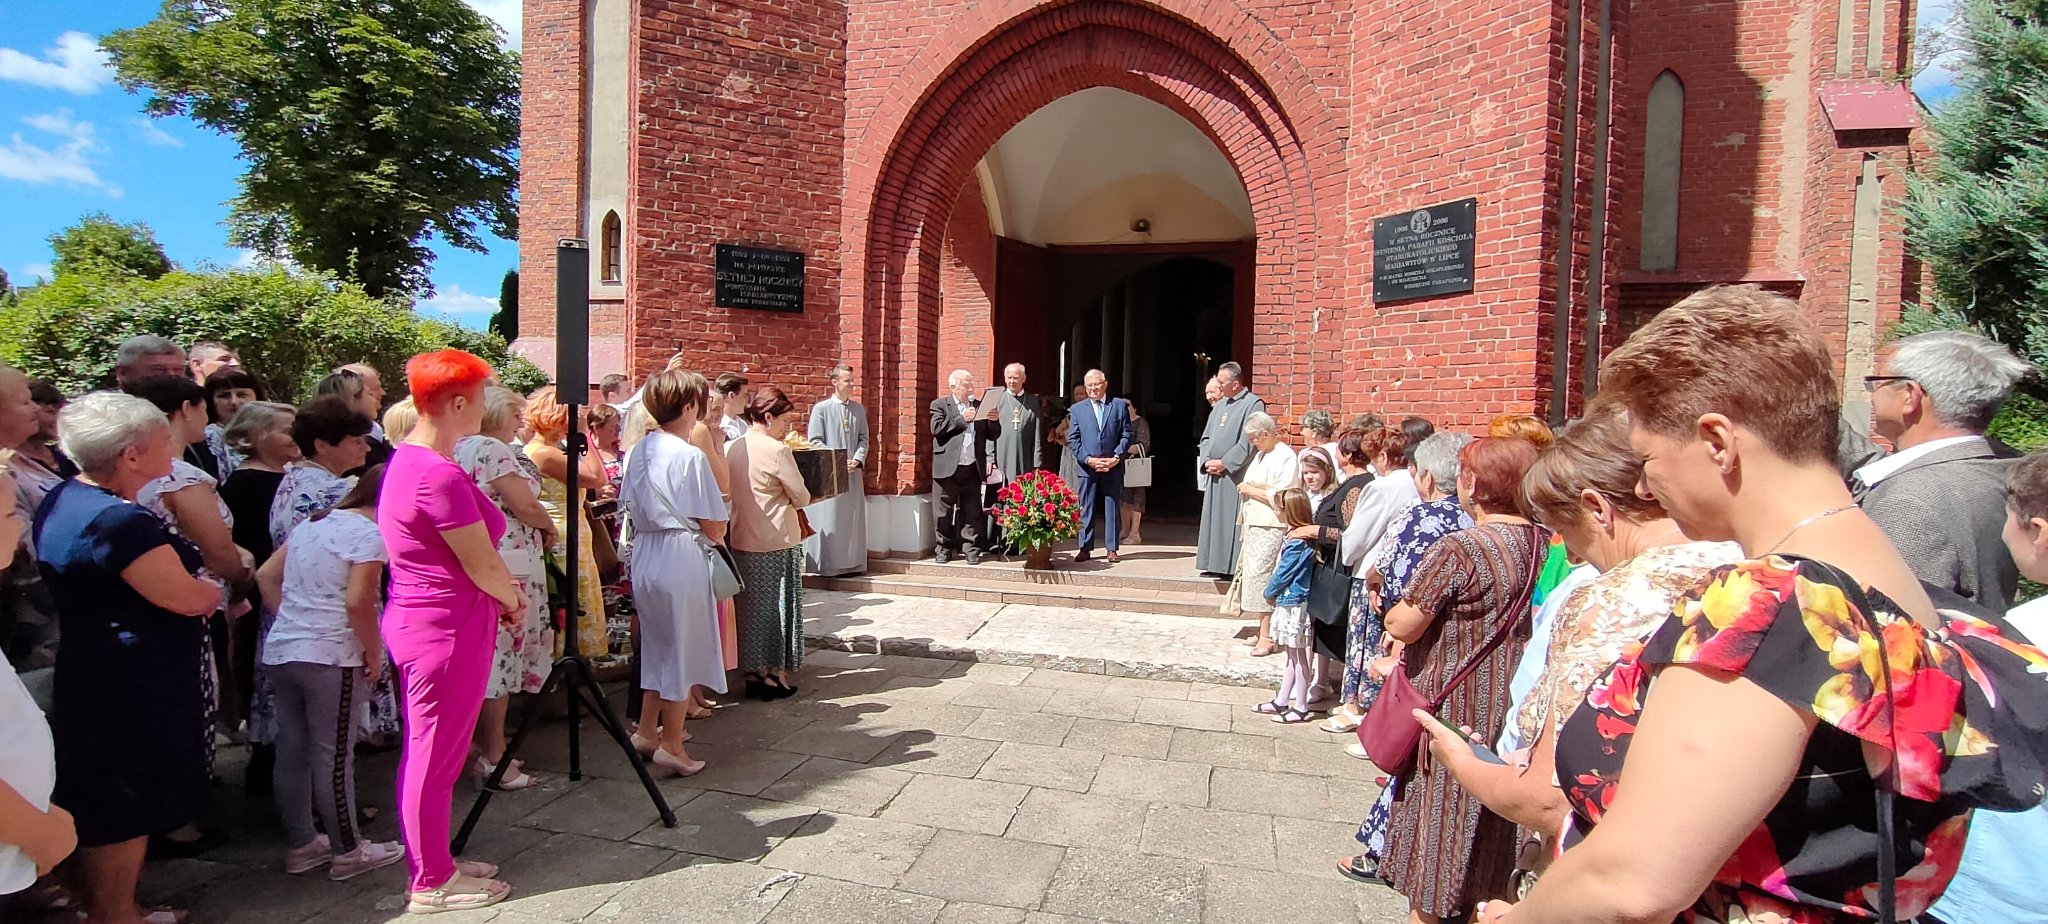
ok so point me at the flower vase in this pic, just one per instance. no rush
(1038, 559)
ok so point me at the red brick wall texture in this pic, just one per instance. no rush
(850, 131)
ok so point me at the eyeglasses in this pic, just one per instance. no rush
(1872, 383)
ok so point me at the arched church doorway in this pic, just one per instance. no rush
(1105, 231)
(935, 225)
(1158, 332)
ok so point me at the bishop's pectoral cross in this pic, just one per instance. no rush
(1016, 415)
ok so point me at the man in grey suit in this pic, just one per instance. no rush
(959, 463)
(1940, 496)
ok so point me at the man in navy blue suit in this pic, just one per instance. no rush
(1100, 433)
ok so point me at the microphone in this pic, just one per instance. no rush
(974, 402)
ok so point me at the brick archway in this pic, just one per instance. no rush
(897, 208)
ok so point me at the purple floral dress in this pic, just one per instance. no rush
(1414, 533)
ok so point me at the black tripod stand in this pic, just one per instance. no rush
(571, 672)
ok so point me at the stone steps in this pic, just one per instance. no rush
(1130, 574)
(1198, 598)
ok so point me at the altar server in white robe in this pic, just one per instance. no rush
(671, 499)
(841, 543)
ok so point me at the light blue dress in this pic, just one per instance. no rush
(668, 486)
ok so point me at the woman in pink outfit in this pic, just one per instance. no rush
(449, 590)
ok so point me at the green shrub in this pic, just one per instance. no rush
(290, 327)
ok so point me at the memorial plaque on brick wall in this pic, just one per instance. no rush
(754, 277)
(1424, 252)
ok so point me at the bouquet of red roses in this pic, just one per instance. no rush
(1038, 510)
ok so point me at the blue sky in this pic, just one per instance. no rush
(72, 142)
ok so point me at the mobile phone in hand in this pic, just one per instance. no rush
(1478, 750)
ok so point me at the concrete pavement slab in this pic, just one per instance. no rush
(1115, 886)
(866, 850)
(979, 806)
(1038, 765)
(959, 866)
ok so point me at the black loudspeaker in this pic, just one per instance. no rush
(572, 319)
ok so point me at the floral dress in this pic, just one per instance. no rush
(217, 443)
(306, 489)
(1414, 533)
(151, 498)
(1600, 619)
(522, 659)
(1961, 712)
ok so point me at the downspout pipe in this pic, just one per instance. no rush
(1561, 322)
(1603, 137)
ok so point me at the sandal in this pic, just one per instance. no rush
(1269, 708)
(477, 869)
(460, 893)
(1340, 724)
(1292, 717)
(1362, 869)
(514, 779)
(1265, 649)
(697, 712)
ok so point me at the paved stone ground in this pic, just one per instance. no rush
(1139, 645)
(891, 789)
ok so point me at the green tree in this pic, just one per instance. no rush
(289, 327)
(99, 245)
(1978, 216)
(368, 125)
(505, 321)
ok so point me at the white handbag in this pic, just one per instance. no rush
(1138, 472)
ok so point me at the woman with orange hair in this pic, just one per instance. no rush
(1557, 563)
(549, 418)
(449, 590)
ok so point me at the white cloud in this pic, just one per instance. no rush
(1936, 27)
(155, 135)
(76, 64)
(506, 13)
(31, 274)
(70, 161)
(451, 300)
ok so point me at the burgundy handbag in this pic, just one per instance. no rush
(1389, 732)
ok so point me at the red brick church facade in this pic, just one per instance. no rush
(1621, 152)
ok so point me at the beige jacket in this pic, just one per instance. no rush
(767, 489)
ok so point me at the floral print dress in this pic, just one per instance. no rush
(1414, 533)
(523, 657)
(1960, 711)
(151, 498)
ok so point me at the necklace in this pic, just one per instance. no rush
(1809, 521)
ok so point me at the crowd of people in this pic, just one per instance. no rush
(1848, 719)
(1846, 722)
(195, 564)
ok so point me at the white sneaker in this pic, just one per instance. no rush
(306, 859)
(367, 856)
